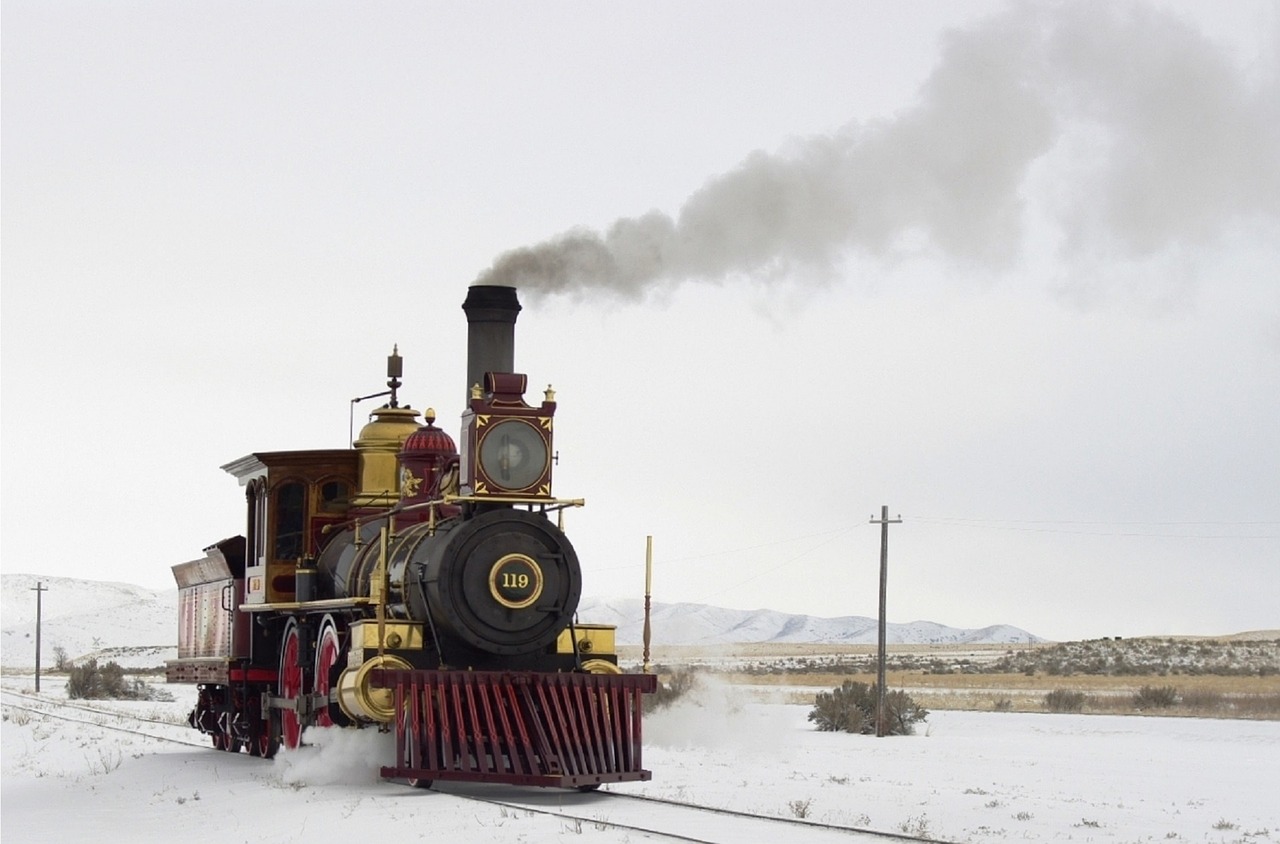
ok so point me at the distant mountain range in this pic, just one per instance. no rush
(137, 627)
(699, 624)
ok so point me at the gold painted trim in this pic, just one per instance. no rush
(600, 666)
(362, 702)
(484, 479)
(293, 606)
(409, 482)
(593, 639)
(537, 581)
(398, 635)
(516, 499)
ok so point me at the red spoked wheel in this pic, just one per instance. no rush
(225, 738)
(265, 744)
(290, 686)
(328, 651)
(264, 730)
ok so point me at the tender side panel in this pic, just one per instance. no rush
(208, 595)
(204, 618)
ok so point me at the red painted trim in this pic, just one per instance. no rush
(252, 675)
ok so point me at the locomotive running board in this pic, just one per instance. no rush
(523, 728)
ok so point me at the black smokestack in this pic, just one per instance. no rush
(491, 331)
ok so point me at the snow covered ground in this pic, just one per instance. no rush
(966, 776)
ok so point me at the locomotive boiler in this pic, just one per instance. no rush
(414, 586)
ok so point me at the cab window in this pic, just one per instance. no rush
(333, 496)
(290, 520)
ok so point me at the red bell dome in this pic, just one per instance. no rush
(428, 466)
(428, 441)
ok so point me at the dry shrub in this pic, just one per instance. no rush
(1203, 700)
(851, 708)
(1064, 700)
(1260, 706)
(1155, 697)
(89, 681)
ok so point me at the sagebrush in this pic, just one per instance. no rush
(1156, 697)
(851, 708)
(1064, 700)
(90, 681)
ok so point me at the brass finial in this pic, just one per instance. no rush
(429, 415)
(550, 394)
(395, 368)
(476, 392)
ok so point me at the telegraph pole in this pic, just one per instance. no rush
(38, 589)
(884, 521)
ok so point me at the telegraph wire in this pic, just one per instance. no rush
(1087, 522)
(741, 550)
(1064, 526)
(1056, 526)
(828, 536)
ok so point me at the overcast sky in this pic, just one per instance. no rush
(1011, 271)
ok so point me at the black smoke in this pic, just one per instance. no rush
(1158, 141)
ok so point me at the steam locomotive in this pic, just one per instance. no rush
(406, 585)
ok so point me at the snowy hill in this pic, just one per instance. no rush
(137, 627)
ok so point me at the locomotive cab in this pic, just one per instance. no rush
(290, 496)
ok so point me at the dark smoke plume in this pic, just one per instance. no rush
(1163, 142)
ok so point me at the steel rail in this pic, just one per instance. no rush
(48, 714)
(111, 712)
(855, 833)
(800, 822)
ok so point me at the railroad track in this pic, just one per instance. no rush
(667, 819)
(879, 835)
(65, 704)
(662, 818)
(57, 709)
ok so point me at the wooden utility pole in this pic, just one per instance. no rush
(39, 588)
(648, 591)
(884, 521)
